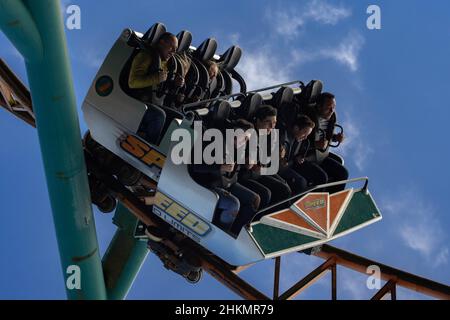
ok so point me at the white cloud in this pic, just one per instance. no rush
(346, 52)
(326, 13)
(234, 38)
(418, 226)
(289, 21)
(261, 69)
(355, 147)
(286, 23)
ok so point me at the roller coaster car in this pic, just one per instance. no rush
(114, 117)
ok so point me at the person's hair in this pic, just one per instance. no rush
(303, 121)
(265, 111)
(324, 97)
(243, 124)
(209, 63)
(166, 36)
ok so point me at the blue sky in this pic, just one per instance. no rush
(390, 86)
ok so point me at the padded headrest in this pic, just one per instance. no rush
(282, 96)
(206, 50)
(133, 40)
(249, 106)
(314, 89)
(310, 93)
(219, 112)
(184, 40)
(231, 58)
(154, 33)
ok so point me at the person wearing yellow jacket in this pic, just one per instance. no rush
(148, 70)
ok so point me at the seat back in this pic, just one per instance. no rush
(154, 33)
(206, 50)
(230, 58)
(219, 112)
(203, 78)
(192, 80)
(249, 106)
(219, 86)
(282, 96)
(228, 82)
(184, 40)
(310, 93)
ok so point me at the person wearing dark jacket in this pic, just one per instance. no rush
(237, 203)
(271, 188)
(324, 117)
(294, 147)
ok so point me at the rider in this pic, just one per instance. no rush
(237, 204)
(148, 70)
(324, 117)
(265, 121)
(295, 146)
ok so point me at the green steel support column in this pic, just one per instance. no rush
(38, 25)
(18, 25)
(124, 257)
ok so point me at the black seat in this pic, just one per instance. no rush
(230, 58)
(219, 86)
(282, 96)
(239, 79)
(219, 112)
(310, 93)
(184, 40)
(192, 80)
(286, 115)
(203, 79)
(206, 50)
(228, 81)
(154, 33)
(249, 106)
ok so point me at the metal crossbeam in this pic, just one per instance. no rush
(307, 281)
(389, 287)
(14, 96)
(402, 278)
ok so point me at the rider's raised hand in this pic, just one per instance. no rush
(162, 76)
(179, 81)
